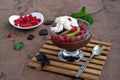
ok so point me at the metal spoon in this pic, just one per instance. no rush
(95, 51)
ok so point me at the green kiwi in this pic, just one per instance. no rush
(64, 32)
(74, 33)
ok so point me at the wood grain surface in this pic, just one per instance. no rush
(93, 70)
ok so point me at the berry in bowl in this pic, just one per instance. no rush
(29, 21)
(70, 35)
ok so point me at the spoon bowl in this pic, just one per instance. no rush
(37, 14)
(97, 50)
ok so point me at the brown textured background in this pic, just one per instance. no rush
(13, 63)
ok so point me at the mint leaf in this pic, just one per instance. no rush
(89, 18)
(78, 15)
(83, 15)
(75, 15)
(83, 11)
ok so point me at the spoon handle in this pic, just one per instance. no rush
(82, 68)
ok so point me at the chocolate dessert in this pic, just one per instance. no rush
(70, 35)
(71, 46)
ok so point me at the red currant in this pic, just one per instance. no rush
(82, 32)
(69, 19)
(73, 29)
(71, 39)
(67, 39)
(9, 35)
(82, 27)
(27, 21)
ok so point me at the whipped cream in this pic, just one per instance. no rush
(64, 22)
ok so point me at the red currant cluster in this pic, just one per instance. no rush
(27, 21)
(82, 28)
(68, 39)
(65, 38)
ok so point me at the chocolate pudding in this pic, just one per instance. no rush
(71, 46)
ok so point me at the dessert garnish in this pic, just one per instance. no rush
(66, 29)
(83, 15)
(64, 22)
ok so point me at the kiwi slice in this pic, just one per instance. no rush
(74, 33)
(64, 32)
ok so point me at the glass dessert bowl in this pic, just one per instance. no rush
(70, 35)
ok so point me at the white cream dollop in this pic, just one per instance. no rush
(62, 22)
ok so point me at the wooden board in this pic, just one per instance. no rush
(93, 70)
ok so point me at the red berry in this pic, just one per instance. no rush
(15, 21)
(82, 27)
(55, 36)
(27, 21)
(78, 38)
(16, 24)
(30, 15)
(54, 25)
(23, 25)
(71, 39)
(82, 32)
(34, 17)
(21, 17)
(61, 38)
(73, 29)
(26, 25)
(39, 20)
(58, 38)
(67, 39)
(20, 25)
(9, 35)
(69, 19)
(30, 24)
(64, 35)
(25, 17)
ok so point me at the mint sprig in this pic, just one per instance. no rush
(83, 15)
(83, 10)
